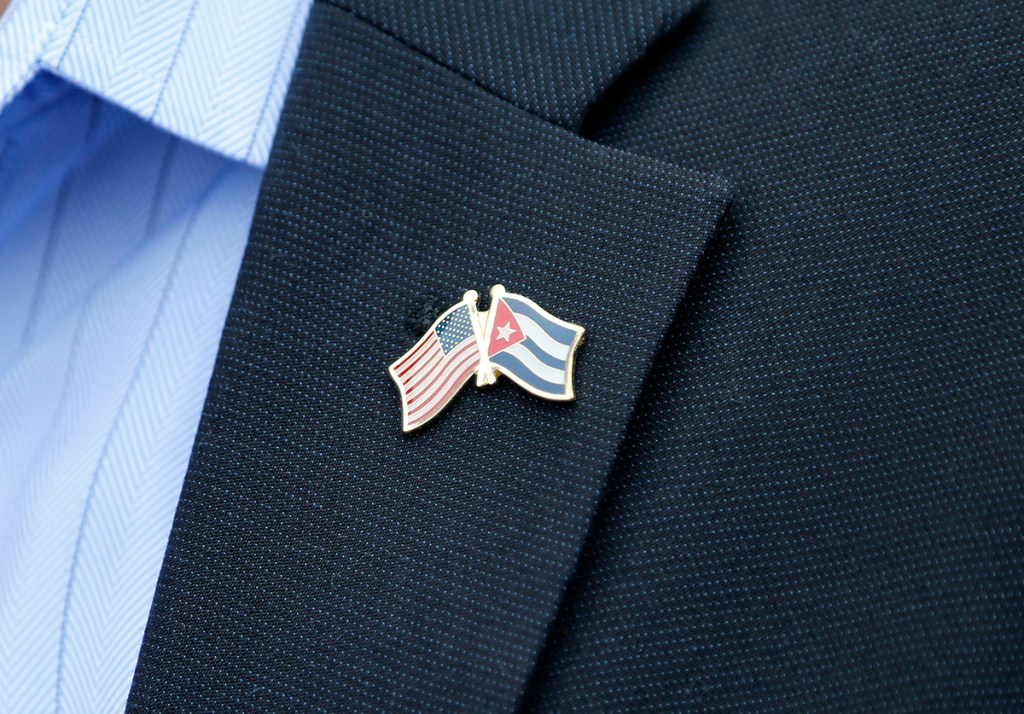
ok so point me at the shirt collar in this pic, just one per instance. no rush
(214, 72)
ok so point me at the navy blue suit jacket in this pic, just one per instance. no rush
(792, 479)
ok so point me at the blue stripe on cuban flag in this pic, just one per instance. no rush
(540, 357)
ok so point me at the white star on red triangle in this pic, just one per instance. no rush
(505, 332)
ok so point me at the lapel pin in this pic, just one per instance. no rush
(515, 337)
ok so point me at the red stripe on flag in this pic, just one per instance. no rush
(424, 387)
(411, 353)
(430, 402)
(422, 352)
(424, 370)
(466, 363)
(455, 386)
(436, 372)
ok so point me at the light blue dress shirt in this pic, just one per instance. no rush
(133, 135)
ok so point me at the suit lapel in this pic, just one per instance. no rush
(553, 59)
(322, 559)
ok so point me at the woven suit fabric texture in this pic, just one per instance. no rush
(791, 480)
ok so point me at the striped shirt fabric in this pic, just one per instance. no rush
(133, 137)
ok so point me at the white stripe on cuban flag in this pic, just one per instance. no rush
(437, 366)
(532, 347)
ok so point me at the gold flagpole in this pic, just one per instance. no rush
(484, 371)
(487, 322)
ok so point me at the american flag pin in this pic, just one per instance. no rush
(516, 337)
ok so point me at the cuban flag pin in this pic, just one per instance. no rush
(515, 337)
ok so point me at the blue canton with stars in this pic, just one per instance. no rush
(453, 330)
